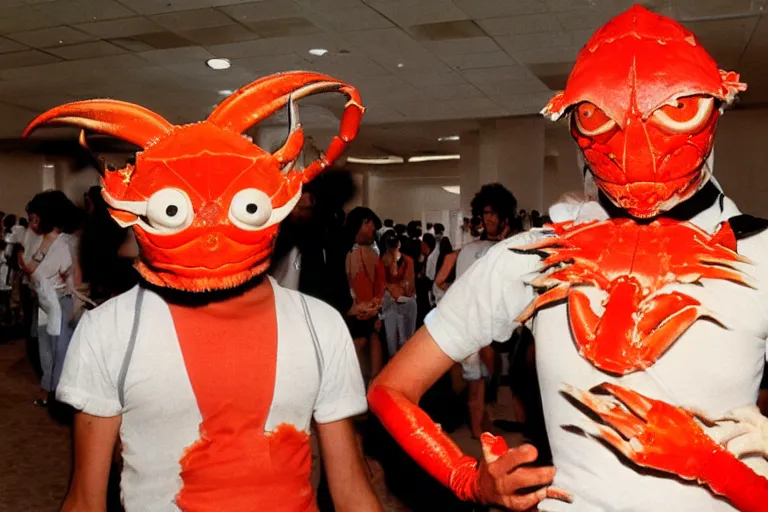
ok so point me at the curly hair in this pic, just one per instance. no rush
(499, 198)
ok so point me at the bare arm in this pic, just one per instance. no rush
(350, 489)
(445, 270)
(393, 397)
(95, 439)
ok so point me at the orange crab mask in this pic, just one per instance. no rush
(203, 200)
(645, 98)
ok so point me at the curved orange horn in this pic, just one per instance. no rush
(262, 98)
(132, 123)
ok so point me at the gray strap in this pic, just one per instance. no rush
(131, 345)
(313, 334)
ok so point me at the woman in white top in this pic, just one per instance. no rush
(52, 269)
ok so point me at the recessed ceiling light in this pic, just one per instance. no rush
(319, 52)
(453, 189)
(448, 138)
(432, 158)
(385, 160)
(226, 92)
(218, 64)
(400, 64)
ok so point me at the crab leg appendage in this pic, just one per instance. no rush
(640, 322)
(656, 435)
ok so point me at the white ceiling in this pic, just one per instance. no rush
(414, 61)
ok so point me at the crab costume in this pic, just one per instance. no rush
(215, 369)
(649, 306)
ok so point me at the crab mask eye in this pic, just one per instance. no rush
(591, 121)
(169, 210)
(684, 115)
(250, 209)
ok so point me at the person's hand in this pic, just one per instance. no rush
(506, 479)
(744, 431)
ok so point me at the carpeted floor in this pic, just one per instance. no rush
(34, 450)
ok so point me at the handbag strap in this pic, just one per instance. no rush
(131, 345)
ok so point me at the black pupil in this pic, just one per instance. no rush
(251, 208)
(681, 105)
(171, 210)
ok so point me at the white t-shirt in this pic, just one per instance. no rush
(708, 368)
(161, 417)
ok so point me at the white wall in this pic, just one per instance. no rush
(404, 199)
(21, 177)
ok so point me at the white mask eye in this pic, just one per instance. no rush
(169, 210)
(250, 209)
(684, 115)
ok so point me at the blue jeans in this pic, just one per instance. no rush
(53, 349)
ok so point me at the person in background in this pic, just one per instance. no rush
(399, 306)
(366, 277)
(423, 282)
(430, 228)
(53, 273)
(400, 229)
(389, 225)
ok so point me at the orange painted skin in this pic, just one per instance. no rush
(236, 465)
(630, 262)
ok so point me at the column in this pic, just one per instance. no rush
(508, 151)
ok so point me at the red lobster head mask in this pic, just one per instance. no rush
(645, 99)
(204, 201)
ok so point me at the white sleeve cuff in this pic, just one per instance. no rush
(89, 404)
(341, 409)
(447, 338)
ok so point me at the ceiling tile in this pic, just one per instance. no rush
(461, 46)
(349, 19)
(407, 12)
(431, 80)
(177, 56)
(162, 6)
(489, 75)
(83, 11)
(343, 66)
(270, 64)
(687, 9)
(477, 107)
(26, 17)
(525, 42)
(323, 5)
(525, 24)
(297, 44)
(283, 27)
(7, 46)
(76, 68)
(524, 104)
(43, 102)
(548, 55)
(508, 87)
(163, 40)
(120, 28)
(32, 58)
(190, 20)
(86, 50)
(453, 92)
(262, 10)
(51, 37)
(581, 19)
(495, 59)
(219, 35)
(482, 9)
(132, 45)
(564, 5)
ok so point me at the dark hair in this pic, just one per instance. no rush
(390, 240)
(445, 249)
(355, 219)
(389, 223)
(430, 225)
(9, 221)
(55, 210)
(498, 197)
(430, 240)
(413, 230)
(400, 229)
(23, 222)
(439, 229)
